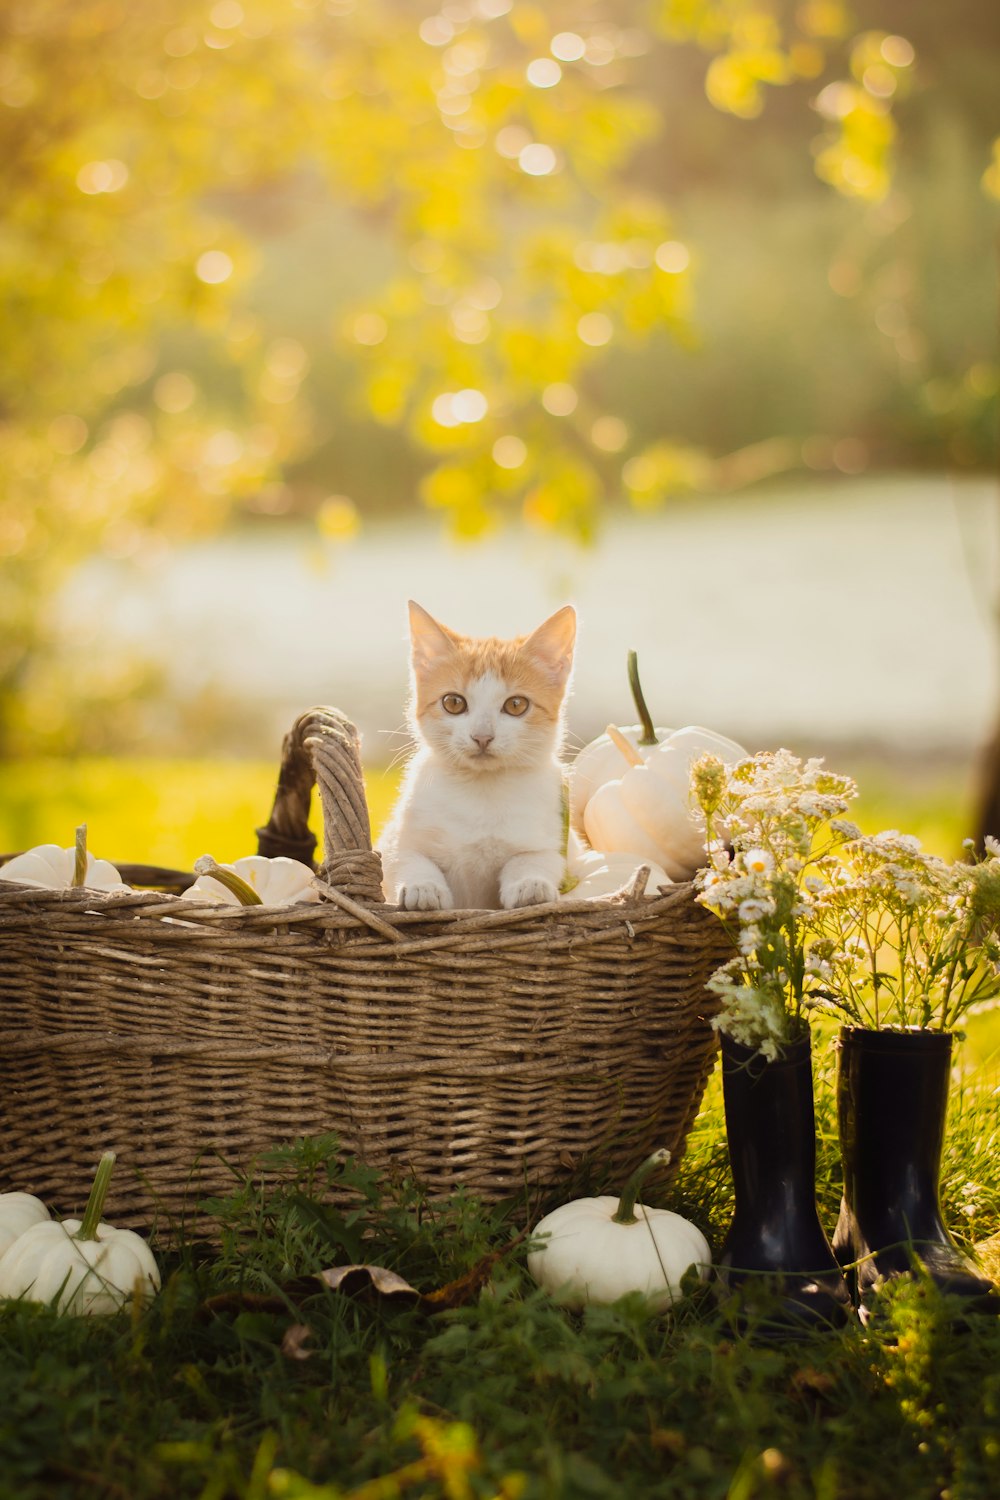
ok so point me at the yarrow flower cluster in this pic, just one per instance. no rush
(913, 938)
(774, 827)
(823, 917)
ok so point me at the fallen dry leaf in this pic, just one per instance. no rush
(363, 1280)
(294, 1342)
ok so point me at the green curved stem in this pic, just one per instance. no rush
(648, 736)
(95, 1203)
(244, 893)
(80, 866)
(625, 1212)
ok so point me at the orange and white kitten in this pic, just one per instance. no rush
(479, 818)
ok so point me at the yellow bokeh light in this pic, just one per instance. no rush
(174, 392)
(369, 328)
(595, 329)
(436, 31)
(226, 14)
(337, 518)
(102, 177)
(559, 399)
(511, 141)
(897, 51)
(879, 80)
(672, 257)
(454, 408)
(610, 434)
(538, 160)
(567, 46)
(469, 324)
(543, 72)
(509, 452)
(213, 267)
(599, 50)
(287, 359)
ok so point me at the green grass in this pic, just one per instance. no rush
(200, 1393)
(151, 811)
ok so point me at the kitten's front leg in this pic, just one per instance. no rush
(420, 885)
(531, 879)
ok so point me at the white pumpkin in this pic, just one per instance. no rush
(648, 807)
(18, 1211)
(57, 869)
(599, 874)
(80, 1265)
(253, 881)
(600, 761)
(597, 1249)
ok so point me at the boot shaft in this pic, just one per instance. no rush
(771, 1127)
(892, 1102)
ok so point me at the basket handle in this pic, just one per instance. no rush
(323, 748)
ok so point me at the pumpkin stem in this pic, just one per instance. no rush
(80, 866)
(648, 736)
(245, 893)
(625, 1212)
(629, 751)
(95, 1203)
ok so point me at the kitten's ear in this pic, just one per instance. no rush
(552, 644)
(431, 643)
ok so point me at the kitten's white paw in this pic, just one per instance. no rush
(535, 890)
(429, 895)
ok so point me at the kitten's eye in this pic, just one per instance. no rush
(516, 706)
(454, 703)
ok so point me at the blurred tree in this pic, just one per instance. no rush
(493, 145)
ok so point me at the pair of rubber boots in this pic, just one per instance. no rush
(892, 1099)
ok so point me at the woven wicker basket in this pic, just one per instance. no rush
(494, 1049)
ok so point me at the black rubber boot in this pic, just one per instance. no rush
(892, 1100)
(775, 1252)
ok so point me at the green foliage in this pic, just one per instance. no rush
(517, 243)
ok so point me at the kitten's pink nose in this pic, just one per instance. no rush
(484, 741)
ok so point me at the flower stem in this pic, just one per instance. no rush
(95, 1203)
(244, 893)
(648, 736)
(629, 751)
(80, 865)
(625, 1212)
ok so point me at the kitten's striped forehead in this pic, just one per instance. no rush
(500, 667)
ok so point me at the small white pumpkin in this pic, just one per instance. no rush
(57, 869)
(600, 761)
(253, 881)
(80, 1265)
(648, 808)
(596, 874)
(597, 1249)
(18, 1211)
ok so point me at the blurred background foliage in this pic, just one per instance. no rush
(330, 259)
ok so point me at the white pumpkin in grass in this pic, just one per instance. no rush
(18, 1212)
(598, 1249)
(253, 881)
(80, 1265)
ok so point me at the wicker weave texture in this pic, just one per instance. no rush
(492, 1049)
